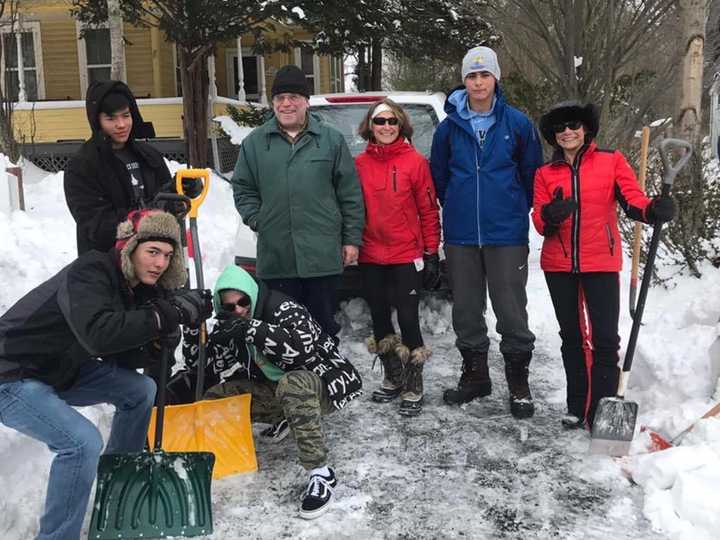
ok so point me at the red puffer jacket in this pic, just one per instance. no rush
(588, 241)
(401, 212)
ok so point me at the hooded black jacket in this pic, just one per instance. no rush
(86, 310)
(97, 184)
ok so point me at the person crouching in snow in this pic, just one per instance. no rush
(76, 340)
(268, 345)
(575, 202)
(399, 252)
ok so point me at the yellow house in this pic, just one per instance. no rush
(57, 66)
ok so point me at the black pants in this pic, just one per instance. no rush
(587, 307)
(318, 294)
(388, 285)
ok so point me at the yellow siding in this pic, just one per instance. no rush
(138, 61)
(324, 62)
(60, 59)
(221, 71)
(167, 68)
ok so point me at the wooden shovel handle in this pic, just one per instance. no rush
(637, 241)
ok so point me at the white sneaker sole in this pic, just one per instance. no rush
(312, 514)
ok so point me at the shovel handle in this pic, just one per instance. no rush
(201, 174)
(637, 241)
(160, 416)
(671, 171)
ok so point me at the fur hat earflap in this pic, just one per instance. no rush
(147, 226)
(567, 111)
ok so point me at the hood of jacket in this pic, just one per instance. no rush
(234, 277)
(456, 104)
(97, 91)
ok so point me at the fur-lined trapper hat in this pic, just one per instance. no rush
(567, 111)
(147, 226)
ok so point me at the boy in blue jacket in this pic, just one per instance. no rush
(483, 161)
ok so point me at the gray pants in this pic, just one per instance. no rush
(300, 396)
(502, 272)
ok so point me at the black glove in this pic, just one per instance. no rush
(191, 187)
(431, 273)
(187, 307)
(180, 388)
(229, 327)
(559, 209)
(662, 209)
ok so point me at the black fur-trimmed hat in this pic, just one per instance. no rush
(290, 79)
(566, 111)
(148, 226)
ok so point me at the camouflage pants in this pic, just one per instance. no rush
(299, 396)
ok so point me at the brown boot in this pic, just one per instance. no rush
(392, 383)
(412, 392)
(474, 381)
(517, 368)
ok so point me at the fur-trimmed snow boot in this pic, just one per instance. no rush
(517, 368)
(474, 380)
(386, 351)
(412, 392)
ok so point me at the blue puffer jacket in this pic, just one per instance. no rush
(485, 194)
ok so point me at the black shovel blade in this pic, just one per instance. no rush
(614, 427)
(153, 495)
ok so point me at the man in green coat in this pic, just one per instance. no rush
(295, 185)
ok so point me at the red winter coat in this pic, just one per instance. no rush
(588, 241)
(401, 212)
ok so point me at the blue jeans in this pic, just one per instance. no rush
(43, 413)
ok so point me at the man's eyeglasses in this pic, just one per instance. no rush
(243, 302)
(380, 121)
(572, 124)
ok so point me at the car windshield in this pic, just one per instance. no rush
(347, 117)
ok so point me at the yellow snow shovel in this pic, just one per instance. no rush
(220, 426)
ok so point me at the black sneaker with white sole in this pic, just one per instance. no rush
(276, 432)
(318, 495)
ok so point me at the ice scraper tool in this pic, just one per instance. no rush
(615, 418)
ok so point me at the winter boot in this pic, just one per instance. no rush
(412, 392)
(516, 373)
(474, 380)
(386, 350)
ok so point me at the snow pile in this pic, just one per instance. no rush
(237, 133)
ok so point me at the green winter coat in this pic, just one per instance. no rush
(303, 200)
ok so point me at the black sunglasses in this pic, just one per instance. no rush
(243, 301)
(572, 124)
(380, 121)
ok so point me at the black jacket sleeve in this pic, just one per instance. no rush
(93, 210)
(91, 303)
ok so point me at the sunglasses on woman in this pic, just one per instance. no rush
(243, 302)
(572, 124)
(380, 121)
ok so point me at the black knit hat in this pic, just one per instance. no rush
(567, 111)
(290, 79)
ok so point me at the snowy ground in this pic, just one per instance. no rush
(470, 472)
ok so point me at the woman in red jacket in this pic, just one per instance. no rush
(399, 254)
(575, 201)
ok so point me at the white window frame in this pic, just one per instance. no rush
(34, 27)
(316, 68)
(337, 78)
(82, 55)
(230, 59)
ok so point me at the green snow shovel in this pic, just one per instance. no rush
(153, 494)
(615, 418)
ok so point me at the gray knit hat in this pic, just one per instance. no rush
(480, 59)
(148, 226)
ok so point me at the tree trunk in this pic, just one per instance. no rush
(689, 190)
(117, 58)
(361, 71)
(376, 65)
(195, 86)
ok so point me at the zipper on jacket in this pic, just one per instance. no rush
(394, 178)
(477, 186)
(562, 245)
(611, 240)
(575, 242)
